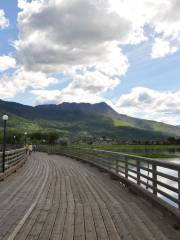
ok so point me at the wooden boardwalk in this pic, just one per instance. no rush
(57, 198)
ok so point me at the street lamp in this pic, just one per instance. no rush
(14, 139)
(4, 118)
(25, 138)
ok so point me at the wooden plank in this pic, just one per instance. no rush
(99, 224)
(90, 230)
(79, 228)
(58, 228)
(68, 231)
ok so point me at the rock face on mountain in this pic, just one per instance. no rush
(94, 119)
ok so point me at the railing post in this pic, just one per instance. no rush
(117, 166)
(4, 148)
(179, 188)
(138, 172)
(126, 167)
(154, 178)
(49, 149)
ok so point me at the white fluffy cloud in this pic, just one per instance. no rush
(4, 22)
(162, 16)
(58, 35)
(162, 48)
(7, 62)
(93, 82)
(151, 104)
(66, 35)
(88, 87)
(65, 95)
(20, 80)
(78, 38)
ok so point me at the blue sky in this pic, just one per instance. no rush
(117, 52)
(10, 33)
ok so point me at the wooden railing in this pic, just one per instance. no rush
(157, 177)
(12, 158)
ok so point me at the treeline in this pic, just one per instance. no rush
(15, 137)
(173, 140)
(53, 137)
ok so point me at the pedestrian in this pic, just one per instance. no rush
(27, 148)
(34, 148)
(30, 147)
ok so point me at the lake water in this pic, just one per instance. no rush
(175, 151)
(170, 172)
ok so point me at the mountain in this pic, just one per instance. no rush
(83, 118)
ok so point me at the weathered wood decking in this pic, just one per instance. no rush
(54, 197)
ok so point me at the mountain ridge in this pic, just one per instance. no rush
(98, 118)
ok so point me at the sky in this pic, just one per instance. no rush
(123, 52)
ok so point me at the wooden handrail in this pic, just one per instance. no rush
(12, 157)
(153, 175)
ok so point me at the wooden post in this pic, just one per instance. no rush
(117, 166)
(179, 188)
(126, 167)
(138, 172)
(107, 164)
(154, 178)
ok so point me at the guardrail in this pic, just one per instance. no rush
(13, 157)
(162, 179)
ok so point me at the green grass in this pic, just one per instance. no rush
(116, 147)
(21, 124)
(118, 123)
(155, 155)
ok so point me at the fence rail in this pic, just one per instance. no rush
(12, 157)
(160, 178)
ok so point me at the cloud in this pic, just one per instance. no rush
(65, 95)
(161, 17)
(93, 82)
(79, 39)
(7, 62)
(161, 48)
(88, 87)
(66, 35)
(4, 22)
(151, 104)
(167, 21)
(58, 35)
(20, 80)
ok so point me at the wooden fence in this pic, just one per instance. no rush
(12, 158)
(157, 177)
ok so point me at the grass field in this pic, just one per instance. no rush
(155, 155)
(141, 147)
(120, 148)
(122, 124)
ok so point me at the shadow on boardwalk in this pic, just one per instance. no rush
(54, 197)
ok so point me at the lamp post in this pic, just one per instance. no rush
(14, 139)
(4, 118)
(25, 138)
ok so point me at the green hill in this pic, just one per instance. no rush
(83, 118)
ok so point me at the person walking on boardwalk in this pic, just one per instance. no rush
(27, 148)
(34, 148)
(30, 148)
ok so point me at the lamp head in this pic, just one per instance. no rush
(5, 117)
